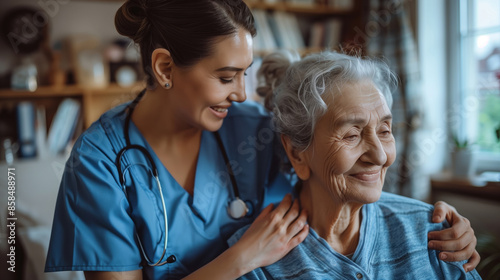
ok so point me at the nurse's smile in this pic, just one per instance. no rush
(220, 112)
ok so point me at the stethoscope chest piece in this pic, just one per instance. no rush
(237, 208)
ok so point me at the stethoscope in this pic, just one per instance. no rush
(237, 208)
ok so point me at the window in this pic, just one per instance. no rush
(475, 90)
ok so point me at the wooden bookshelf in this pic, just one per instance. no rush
(315, 9)
(94, 101)
(41, 92)
(319, 25)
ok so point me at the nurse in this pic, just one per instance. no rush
(155, 187)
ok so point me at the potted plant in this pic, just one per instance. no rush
(462, 160)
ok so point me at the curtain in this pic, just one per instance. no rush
(388, 34)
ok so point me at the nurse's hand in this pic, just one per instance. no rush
(269, 238)
(457, 242)
(273, 234)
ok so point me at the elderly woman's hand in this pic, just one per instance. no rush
(458, 242)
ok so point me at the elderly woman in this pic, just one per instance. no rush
(333, 113)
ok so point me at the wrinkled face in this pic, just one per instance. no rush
(205, 91)
(353, 144)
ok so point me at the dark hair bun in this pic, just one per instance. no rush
(131, 20)
(188, 29)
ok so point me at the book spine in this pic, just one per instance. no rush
(26, 129)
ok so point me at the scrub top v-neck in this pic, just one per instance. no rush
(94, 224)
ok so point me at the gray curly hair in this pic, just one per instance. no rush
(294, 88)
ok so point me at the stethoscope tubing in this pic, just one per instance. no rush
(241, 206)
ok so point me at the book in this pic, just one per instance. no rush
(41, 132)
(333, 33)
(302, 3)
(316, 39)
(251, 82)
(63, 125)
(341, 4)
(26, 129)
(286, 29)
(326, 34)
(265, 40)
(294, 30)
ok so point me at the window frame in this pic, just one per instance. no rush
(485, 161)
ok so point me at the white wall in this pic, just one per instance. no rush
(432, 56)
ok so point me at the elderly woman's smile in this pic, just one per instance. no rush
(367, 176)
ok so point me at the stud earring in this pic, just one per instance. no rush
(167, 85)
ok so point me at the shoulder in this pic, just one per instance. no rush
(391, 204)
(248, 109)
(247, 131)
(397, 216)
(97, 144)
(100, 134)
(311, 259)
(246, 116)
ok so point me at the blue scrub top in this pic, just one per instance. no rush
(95, 224)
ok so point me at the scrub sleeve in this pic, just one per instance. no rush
(92, 229)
